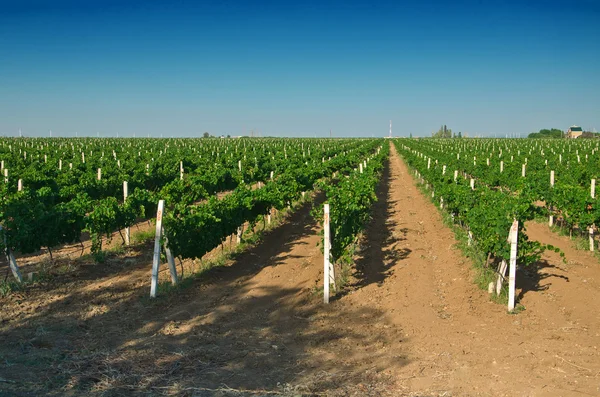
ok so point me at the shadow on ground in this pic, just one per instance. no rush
(379, 252)
(531, 278)
(220, 331)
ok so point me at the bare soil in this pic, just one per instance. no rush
(411, 322)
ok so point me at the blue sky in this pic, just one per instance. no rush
(297, 69)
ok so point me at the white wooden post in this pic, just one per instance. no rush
(593, 189)
(99, 173)
(591, 230)
(501, 275)
(326, 249)
(523, 170)
(171, 262)
(472, 184)
(501, 166)
(156, 258)
(444, 170)
(470, 238)
(239, 235)
(512, 272)
(127, 229)
(12, 263)
(6, 175)
(271, 175)
(20, 185)
(455, 175)
(360, 166)
(429, 163)
(181, 170)
(83, 157)
(551, 218)
(240, 165)
(59, 164)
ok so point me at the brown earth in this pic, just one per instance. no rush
(411, 322)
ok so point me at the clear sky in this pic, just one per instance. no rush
(302, 68)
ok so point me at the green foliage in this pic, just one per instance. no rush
(58, 204)
(443, 132)
(350, 203)
(552, 133)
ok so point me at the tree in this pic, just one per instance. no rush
(459, 134)
(411, 135)
(443, 132)
(206, 135)
(228, 136)
(553, 133)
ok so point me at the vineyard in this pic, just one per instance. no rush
(407, 239)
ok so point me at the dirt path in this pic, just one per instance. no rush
(410, 323)
(455, 339)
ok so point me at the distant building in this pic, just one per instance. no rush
(574, 132)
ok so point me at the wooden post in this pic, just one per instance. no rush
(83, 157)
(171, 262)
(501, 276)
(361, 168)
(240, 165)
(6, 175)
(99, 173)
(444, 170)
(551, 218)
(20, 185)
(59, 164)
(12, 263)
(472, 184)
(271, 175)
(591, 231)
(127, 229)
(512, 272)
(455, 175)
(593, 189)
(239, 235)
(523, 170)
(501, 166)
(326, 249)
(429, 163)
(181, 170)
(470, 238)
(156, 258)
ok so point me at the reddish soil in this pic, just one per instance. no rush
(411, 322)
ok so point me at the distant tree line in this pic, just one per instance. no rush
(552, 133)
(555, 133)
